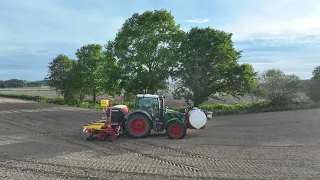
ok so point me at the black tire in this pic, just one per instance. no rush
(138, 126)
(176, 130)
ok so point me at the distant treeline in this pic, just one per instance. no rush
(17, 83)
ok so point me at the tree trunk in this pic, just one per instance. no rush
(94, 97)
(196, 103)
(81, 97)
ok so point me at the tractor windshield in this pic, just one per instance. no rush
(149, 104)
(145, 102)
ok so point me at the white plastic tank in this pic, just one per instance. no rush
(197, 118)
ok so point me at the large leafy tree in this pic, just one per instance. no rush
(208, 65)
(91, 67)
(278, 87)
(60, 77)
(145, 50)
(96, 70)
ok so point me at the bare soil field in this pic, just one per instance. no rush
(45, 141)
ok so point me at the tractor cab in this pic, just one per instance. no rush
(153, 104)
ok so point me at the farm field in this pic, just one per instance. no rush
(45, 141)
(46, 91)
(38, 91)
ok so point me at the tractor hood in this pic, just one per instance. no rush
(173, 111)
(169, 114)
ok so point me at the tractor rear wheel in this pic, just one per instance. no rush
(176, 130)
(138, 126)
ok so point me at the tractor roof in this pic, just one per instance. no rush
(148, 95)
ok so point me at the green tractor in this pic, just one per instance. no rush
(150, 113)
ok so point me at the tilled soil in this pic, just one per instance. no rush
(45, 141)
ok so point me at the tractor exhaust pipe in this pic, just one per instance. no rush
(161, 108)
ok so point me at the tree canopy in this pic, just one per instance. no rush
(90, 66)
(89, 75)
(208, 64)
(144, 50)
(150, 48)
(58, 74)
(316, 73)
(278, 87)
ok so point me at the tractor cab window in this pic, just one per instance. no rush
(147, 102)
(151, 105)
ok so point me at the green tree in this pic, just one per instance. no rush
(255, 92)
(59, 73)
(96, 71)
(35, 84)
(278, 87)
(305, 85)
(76, 82)
(208, 65)
(314, 91)
(145, 48)
(14, 83)
(90, 68)
(110, 72)
(316, 73)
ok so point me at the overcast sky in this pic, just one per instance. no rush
(272, 34)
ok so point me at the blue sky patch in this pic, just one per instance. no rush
(272, 34)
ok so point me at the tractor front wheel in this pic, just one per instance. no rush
(138, 126)
(176, 130)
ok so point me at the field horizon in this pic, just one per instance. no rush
(47, 91)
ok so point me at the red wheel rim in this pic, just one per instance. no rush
(138, 126)
(175, 130)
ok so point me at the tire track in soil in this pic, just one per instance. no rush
(70, 140)
(67, 138)
(195, 155)
(39, 132)
(126, 149)
(17, 124)
(118, 147)
(155, 158)
(46, 172)
(88, 147)
(30, 128)
(123, 149)
(189, 154)
(8, 164)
